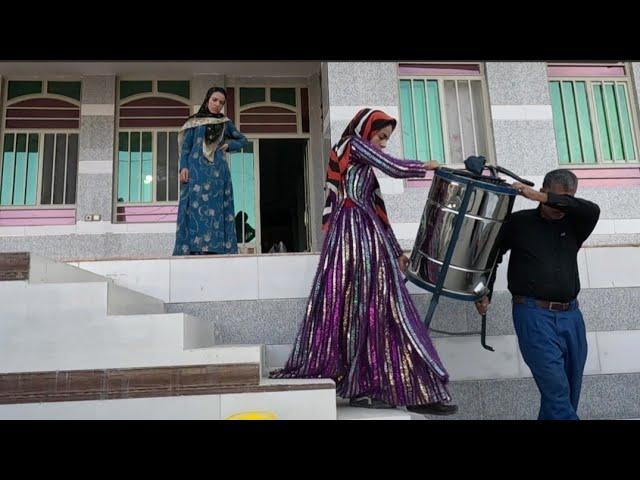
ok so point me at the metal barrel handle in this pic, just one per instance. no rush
(513, 175)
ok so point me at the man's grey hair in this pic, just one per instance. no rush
(561, 177)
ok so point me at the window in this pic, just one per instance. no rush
(593, 114)
(443, 112)
(39, 163)
(252, 95)
(129, 88)
(20, 89)
(272, 110)
(66, 89)
(151, 113)
(181, 88)
(142, 157)
(284, 95)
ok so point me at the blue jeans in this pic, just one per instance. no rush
(554, 346)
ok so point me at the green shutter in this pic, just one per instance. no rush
(18, 89)
(284, 95)
(435, 122)
(20, 182)
(584, 123)
(627, 130)
(603, 131)
(180, 88)
(123, 167)
(147, 167)
(571, 122)
(32, 170)
(558, 122)
(614, 125)
(422, 127)
(135, 168)
(129, 88)
(252, 95)
(406, 118)
(66, 89)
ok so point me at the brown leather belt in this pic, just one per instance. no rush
(554, 306)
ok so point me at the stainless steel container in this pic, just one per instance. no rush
(485, 203)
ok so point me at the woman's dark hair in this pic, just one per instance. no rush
(204, 108)
(213, 90)
(380, 124)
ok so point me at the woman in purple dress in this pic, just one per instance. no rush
(361, 327)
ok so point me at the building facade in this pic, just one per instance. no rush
(88, 175)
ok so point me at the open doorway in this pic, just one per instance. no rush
(270, 196)
(283, 195)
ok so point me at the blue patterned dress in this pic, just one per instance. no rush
(206, 215)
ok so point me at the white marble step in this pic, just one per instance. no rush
(120, 300)
(301, 404)
(56, 342)
(45, 270)
(123, 301)
(346, 412)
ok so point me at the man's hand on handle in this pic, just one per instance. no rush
(403, 263)
(482, 305)
(530, 193)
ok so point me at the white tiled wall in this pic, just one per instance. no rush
(521, 112)
(286, 276)
(150, 277)
(213, 279)
(619, 351)
(243, 277)
(605, 227)
(627, 225)
(583, 269)
(613, 267)
(88, 228)
(465, 359)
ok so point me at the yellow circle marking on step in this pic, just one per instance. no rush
(253, 416)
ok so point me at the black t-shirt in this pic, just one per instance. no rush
(543, 263)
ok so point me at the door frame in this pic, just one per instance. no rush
(243, 248)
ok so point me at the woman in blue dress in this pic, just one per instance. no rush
(206, 216)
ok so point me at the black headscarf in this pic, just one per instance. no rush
(213, 131)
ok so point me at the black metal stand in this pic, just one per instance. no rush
(483, 334)
(447, 258)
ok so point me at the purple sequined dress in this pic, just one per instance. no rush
(361, 327)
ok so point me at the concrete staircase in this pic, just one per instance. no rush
(74, 345)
